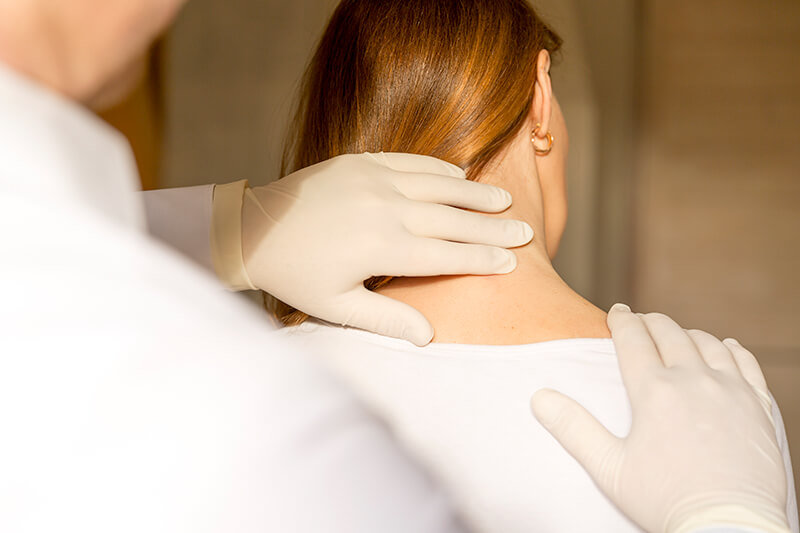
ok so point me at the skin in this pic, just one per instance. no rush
(80, 48)
(532, 304)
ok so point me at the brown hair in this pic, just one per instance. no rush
(452, 79)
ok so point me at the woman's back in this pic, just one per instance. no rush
(462, 410)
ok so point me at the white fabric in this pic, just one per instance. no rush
(181, 218)
(463, 410)
(134, 394)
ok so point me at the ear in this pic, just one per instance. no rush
(542, 109)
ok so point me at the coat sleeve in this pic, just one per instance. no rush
(181, 218)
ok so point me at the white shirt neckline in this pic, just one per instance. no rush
(603, 346)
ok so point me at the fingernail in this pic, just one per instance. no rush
(542, 407)
(529, 233)
(506, 197)
(506, 261)
(621, 308)
(525, 232)
(421, 338)
(732, 341)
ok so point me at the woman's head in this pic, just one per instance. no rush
(453, 79)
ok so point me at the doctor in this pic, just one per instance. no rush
(136, 396)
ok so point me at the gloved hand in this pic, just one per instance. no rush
(313, 237)
(702, 449)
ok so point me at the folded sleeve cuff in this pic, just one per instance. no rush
(226, 236)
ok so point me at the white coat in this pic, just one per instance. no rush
(135, 394)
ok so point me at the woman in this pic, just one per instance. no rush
(468, 81)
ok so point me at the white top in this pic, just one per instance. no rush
(135, 394)
(463, 410)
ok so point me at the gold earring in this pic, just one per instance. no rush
(550, 141)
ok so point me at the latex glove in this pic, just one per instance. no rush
(701, 450)
(313, 237)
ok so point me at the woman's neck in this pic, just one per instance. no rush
(532, 304)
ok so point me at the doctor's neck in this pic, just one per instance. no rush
(80, 48)
(38, 45)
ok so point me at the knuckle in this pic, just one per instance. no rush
(711, 386)
(668, 388)
(661, 388)
(699, 334)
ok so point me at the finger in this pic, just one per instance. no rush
(431, 257)
(452, 224)
(584, 438)
(452, 191)
(636, 351)
(672, 342)
(748, 365)
(714, 352)
(420, 164)
(379, 314)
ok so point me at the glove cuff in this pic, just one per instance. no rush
(226, 236)
(718, 517)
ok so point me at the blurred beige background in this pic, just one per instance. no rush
(684, 119)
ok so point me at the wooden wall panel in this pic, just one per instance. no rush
(230, 77)
(718, 200)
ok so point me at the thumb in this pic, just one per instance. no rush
(584, 438)
(379, 314)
